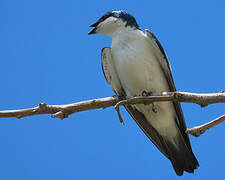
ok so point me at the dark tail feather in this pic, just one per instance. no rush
(181, 157)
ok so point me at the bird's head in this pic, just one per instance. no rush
(112, 22)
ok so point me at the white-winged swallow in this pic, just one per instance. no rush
(137, 65)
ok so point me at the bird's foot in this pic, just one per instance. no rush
(154, 109)
(120, 97)
(145, 93)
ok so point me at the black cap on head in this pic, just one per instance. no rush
(124, 16)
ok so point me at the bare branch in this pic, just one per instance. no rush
(199, 130)
(63, 111)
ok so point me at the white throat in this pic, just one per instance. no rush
(124, 32)
(126, 36)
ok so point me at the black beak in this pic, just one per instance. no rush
(93, 31)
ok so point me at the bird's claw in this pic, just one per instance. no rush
(145, 93)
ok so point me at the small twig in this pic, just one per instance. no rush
(199, 130)
(60, 114)
(119, 115)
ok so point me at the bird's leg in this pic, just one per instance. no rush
(154, 109)
(145, 93)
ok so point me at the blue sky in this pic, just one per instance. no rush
(47, 56)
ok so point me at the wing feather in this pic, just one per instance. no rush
(110, 72)
(165, 66)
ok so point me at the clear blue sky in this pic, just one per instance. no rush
(47, 56)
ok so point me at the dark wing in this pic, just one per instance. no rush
(182, 159)
(165, 66)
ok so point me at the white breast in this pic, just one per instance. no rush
(137, 65)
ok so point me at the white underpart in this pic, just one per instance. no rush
(138, 70)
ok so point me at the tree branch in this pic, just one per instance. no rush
(63, 111)
(199, 130)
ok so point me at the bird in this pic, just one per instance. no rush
(136, 65)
